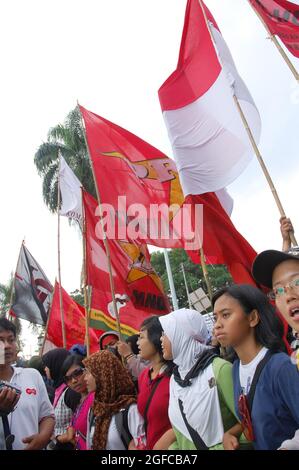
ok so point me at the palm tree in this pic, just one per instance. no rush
(5, 301)
(68, 139)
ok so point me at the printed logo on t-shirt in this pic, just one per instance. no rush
(31, 391)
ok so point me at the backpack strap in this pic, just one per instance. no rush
(9, 438)
(256, 377)
(197, 440)
(149, 402)
(122, 426)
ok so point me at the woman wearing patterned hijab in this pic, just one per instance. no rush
(114, 391)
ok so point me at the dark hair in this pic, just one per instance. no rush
(7, 325)
(154, 332)
(132, 341)
(72, 360)
(269, 331)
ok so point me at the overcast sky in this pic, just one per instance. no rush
(112, 55)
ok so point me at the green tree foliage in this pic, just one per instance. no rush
(218, 274)
(68, 140)
(5, 299)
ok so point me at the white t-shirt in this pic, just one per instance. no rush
(247, 371)
(32, 407)
(114, 442)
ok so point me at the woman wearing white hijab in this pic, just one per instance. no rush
(201, 405)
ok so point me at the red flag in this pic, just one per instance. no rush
(74, 320)
(132, 271)
(221, 237)
(282, 19)
(102, 315)
(126, 165)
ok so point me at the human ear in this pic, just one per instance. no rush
(254, 318)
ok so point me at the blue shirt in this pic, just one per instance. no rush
(275, 408)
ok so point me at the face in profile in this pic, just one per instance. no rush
(90, 381)
(146, 347)
(166, 347)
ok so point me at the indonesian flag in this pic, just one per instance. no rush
(210, 144)
(74, 321)
(70, 188)
(33, 290)
(134, 277)
(282, 20)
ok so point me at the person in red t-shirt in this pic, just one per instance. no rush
(153, 386)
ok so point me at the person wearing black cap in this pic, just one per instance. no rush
(280, 272)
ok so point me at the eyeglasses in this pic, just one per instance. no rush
(74, 375)
(280, 291)
(245, 418)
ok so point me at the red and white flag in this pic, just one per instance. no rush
(210, 144)
(282, 20)
(74, 321)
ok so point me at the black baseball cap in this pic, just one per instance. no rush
(265, 263)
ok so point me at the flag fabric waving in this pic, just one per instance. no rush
(70, 188)
(133, 274)
(33, 290)
(210, 144)
(126, 165)
(74, 321)
(282, 20)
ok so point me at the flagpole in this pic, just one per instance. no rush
(186, 285)
(170, 280)
(276, 43)
(58, 248)
(87, 338)
(9, 317)
(263, 166)
(48, 320)
(205, 273)
(105, 241)
(253, 143)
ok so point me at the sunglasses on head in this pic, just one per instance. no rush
(74, 375)
(245, 418)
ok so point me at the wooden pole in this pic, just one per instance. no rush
(105, 241)
(13, 283)
(253, 143)
(205, 273)
(86, 303)
(59, 266)
(263, 166)
(278, 46)
(48, 320)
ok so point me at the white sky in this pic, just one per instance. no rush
(112, 55)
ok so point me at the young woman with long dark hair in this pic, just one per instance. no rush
(266, 382)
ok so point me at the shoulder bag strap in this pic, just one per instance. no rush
(197, 440)
(256, 377)
(9, 438)
(149, 402)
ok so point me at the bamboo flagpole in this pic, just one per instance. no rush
(59, 264)
(9, 316)
(47, 324)
(252, 141)
(278, 46)
(205, 273)
(105, 241)
(86, 303)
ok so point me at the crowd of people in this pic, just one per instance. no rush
(173, 386)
